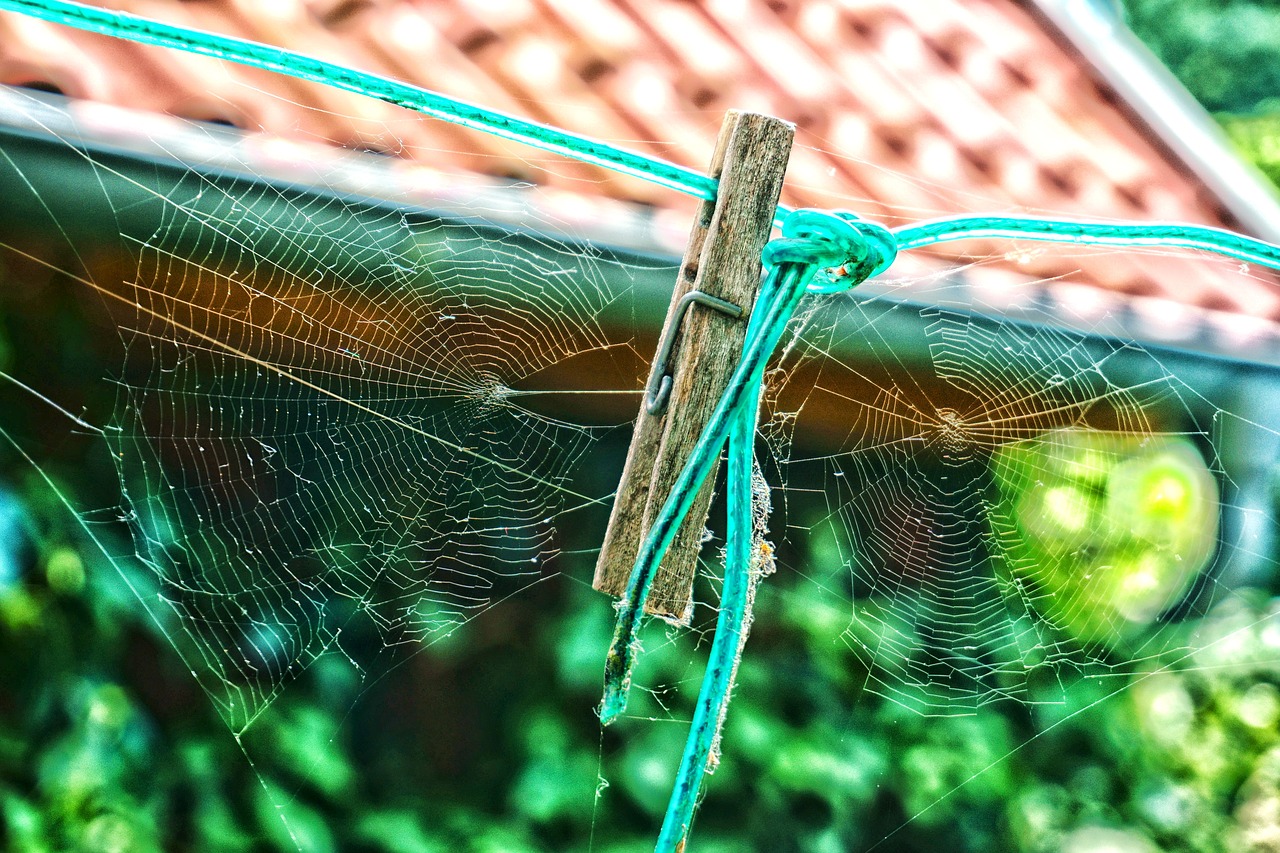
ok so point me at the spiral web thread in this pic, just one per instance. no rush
(909, 502)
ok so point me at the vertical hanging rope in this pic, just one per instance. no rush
(811, 240)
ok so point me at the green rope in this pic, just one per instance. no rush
(584, 148)
(1127, 234)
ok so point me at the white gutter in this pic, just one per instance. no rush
(1150, 90)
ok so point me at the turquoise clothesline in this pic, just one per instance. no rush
(577, 146)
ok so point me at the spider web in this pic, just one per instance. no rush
(315, 440)
(953, 613)
(327, 418)
(348, 423)
(966, 457)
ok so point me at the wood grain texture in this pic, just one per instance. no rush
(722, 259)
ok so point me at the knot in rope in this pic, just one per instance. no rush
(824, 240)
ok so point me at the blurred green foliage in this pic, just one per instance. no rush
(487, 740)
(1257, 138)
(1227, 53)
(1114, 528)
(106, 744)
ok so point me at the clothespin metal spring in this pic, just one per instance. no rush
(658, 388)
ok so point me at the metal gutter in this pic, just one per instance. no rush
(1151, 91)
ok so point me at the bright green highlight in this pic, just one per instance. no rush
(1114, 528)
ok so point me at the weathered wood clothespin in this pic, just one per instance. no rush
(700, 345)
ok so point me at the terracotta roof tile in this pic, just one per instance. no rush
(35, 52)
(692, 39)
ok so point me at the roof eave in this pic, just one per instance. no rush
(1158, 99)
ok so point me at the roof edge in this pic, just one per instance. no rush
(1156, 97)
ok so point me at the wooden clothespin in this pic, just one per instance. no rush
(700, 345)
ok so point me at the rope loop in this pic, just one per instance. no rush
(881, 250)
(827, 240)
